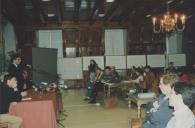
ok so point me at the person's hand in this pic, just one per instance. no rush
(25, 86)
(23, 94)
(13, 103)
(156, 105)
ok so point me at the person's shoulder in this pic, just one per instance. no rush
(11, 66)
(4, 88)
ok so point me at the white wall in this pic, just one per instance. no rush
(115, 41)
(174, 43)
(51, 39)
(9, 40)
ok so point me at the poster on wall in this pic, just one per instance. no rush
(136, 60)
(70, 68)
(156, 61)
(178, 59)
(118, 61)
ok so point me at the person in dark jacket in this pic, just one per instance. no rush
(7, 97)
(159, 112)
(14, 68)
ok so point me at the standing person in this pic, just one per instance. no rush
(149, 79)
(159, 112)
(14, 68)
(182, 96)
(92, 73)
(92, 66)
(7, 97)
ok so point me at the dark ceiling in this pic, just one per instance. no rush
(29, 12)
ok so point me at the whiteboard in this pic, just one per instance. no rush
(118, 61)
(99, 60)
(136, 60)
(156, 60)
(178, 59)
(70, 68)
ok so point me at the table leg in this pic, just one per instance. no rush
(108, 91)
(138, 111)
(129, 103)
(104, 91)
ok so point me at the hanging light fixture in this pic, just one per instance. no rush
(169, 22)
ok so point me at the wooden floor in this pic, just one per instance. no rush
(84, 115)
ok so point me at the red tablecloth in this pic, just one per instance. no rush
(38, 112)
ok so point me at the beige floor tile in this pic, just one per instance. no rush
(84, 115)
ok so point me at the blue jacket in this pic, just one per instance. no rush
(160, 118)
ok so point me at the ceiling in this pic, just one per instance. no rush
(29, 12)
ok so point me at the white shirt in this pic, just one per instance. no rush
(183, 118)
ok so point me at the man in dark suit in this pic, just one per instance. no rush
(7, 97)
(14, 68)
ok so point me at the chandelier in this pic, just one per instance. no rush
(169, 22)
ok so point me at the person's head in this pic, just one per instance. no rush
(107, 70)
(171, 64)
(98, 70)
(16, 59)
(166, 82)
(139, 71)
(92, 62)
(147, 69)
(112, 68)
(10, 81)
(182, 93)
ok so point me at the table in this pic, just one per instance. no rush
(109, 85)
(38, 112)
(115, 85)
(138, 101)
(38, 96)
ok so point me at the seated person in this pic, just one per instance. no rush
(182, 96)
(7, 97)
(183, 76)
(171, 68)
(159, 111)
(138, 77)
(101, 78)
(115, 76)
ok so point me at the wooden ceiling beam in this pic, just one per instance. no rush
(77, 6)
(38, 10)
(5, 10)
(115, 5)
(59, 5)
(129, 9)
(13, 11)
(95, 7)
